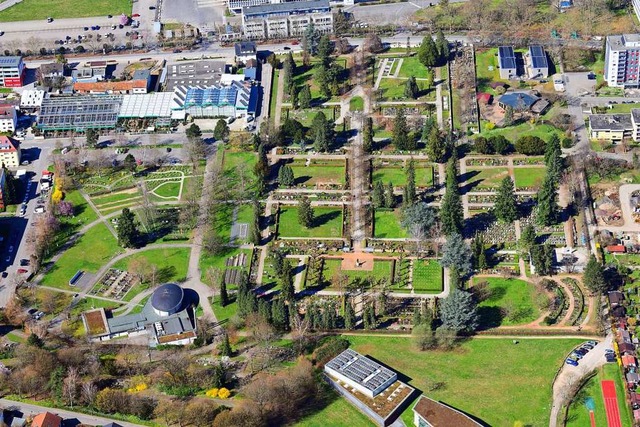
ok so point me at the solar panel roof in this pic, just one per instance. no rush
(506, 57)
(361, 369)
(538, 57)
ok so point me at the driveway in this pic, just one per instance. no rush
(569, 376)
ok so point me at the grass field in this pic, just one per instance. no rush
(218, 262)
(109, 202)
(427, 276)
(381, 270)
(484, 60)
(387, 225)
(223, 313)
(492, 379)
(29, 10)
(485, 178)
(172, 263)
(411, 66)
(82, 212)
(356, 103)
(579, 414)
(327, 223)
(398, 175)
(318, 172)
(509, 302)
(393, 90)
(338, 412)
(512, 133)
(529, 177)
(90, 252)
(166, 189)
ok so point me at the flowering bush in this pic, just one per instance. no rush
(223, 393)
(213, 392)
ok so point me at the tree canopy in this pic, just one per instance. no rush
(459, 312)
(456, 254)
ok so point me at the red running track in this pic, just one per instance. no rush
(611, 403)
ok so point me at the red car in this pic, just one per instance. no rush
(22, 271)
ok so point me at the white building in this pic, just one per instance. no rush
(246, 51)
(363, 374)
(507, 62)
(8, 118)
(11, 71)
(32, 98)
(286, 19)
(621, 60)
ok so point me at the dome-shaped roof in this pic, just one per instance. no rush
(167, 298)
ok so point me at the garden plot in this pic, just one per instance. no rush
(327, 223)
(505, 302)
(483, 179)
(319, 174)
(332, 268)
(387, 225)
(114, 284)
(528, 178)
(427, 276)
(231, 259)
(109, 202)
(235, 265)
(396, 173)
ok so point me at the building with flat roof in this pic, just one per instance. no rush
(31, 99)
(8, 118)
(429, 413)
(157, 105)
(193, 73)
(368, 377)
(168, 317)
(234, 100)
(111, 88)
(537, 64)
(288, 19)
(507, 62)
(9, 152)
(610, 127)
(11, 71)
(622, 55)
(79, 113)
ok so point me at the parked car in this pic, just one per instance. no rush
(249, 119)
(86, 28)
(24, 262)
(593, 343)
(22, 271)
(571, 362)
(230, 120)
(49, 20)
(575, 356)
(152, 8)
(38, 315)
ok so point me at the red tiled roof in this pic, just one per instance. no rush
(616, 249)
(484, 97)
(46, 419)
(8, 145)
(109, 86)
(628, 360)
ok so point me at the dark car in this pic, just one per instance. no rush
(86, 28)
(24, 262)
(610, 358)
(571, 362)
(49, 19)
(152, 8)
(591, 76)
(109, 16)
(580, 351)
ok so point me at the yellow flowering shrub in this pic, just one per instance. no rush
(57, 195)
(223, 393)
(212, 392)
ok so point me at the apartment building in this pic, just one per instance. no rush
(269, 21)
(8, 118)
(9, 152)
(11, 71)
(621, 62)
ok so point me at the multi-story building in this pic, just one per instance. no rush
(11, 71)
(290, 19)
(537, 63)
(8, 118)
(507, 62)
(621, 61)
(9, 152)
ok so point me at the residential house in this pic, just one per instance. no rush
(610, 127)
(629, 361)
(626, 348)
(621, 60)
(46, 419)
(252, 70)
(50, 71)
(8, 118)
(632, 379)
(430, 413)
(143, 75)
(245, 51)
(507, 62)
(616, 249)
(522, 101)
(193, 73)
(537, 63)
(9, 152)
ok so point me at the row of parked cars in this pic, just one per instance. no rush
(580, 352)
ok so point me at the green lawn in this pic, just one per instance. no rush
(223, 313)
(393, 90)
(411, 66)
(327, 223)
(492, 379)
(621, 108)
(512, 133)
(381, 270)
(41, 9)
(90, 252)
(172, 263)
(166, 189)
(238, 169)
(484, 60)
(486, 178)
(113, 200)
(398, 175)
(508, 302)
(89, 303)
(427, 276)
(528, 177)
(83, 213)
(338, 412)
(356, 103)
(319, 172)
(579, 414)
(387, 225)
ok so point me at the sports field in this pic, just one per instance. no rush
(29, 10)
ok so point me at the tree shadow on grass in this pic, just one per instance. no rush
(166, 273)
(301, 179)
(325, 218)
(489, 317)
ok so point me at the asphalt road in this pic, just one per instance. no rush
(28, 409)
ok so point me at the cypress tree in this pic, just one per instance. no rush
(436, 147)
(451, 211)
(304, 97)
(224, 297)
(410, 193)
(401, 131)
(428, 52)
(378, 195)
(280, 315)
(349, 317)
(389, 198)
(505, 208)
(411, 89)
(367, 135)
(286, 282)
(548, 209)
(225, 346)
(305, 213)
